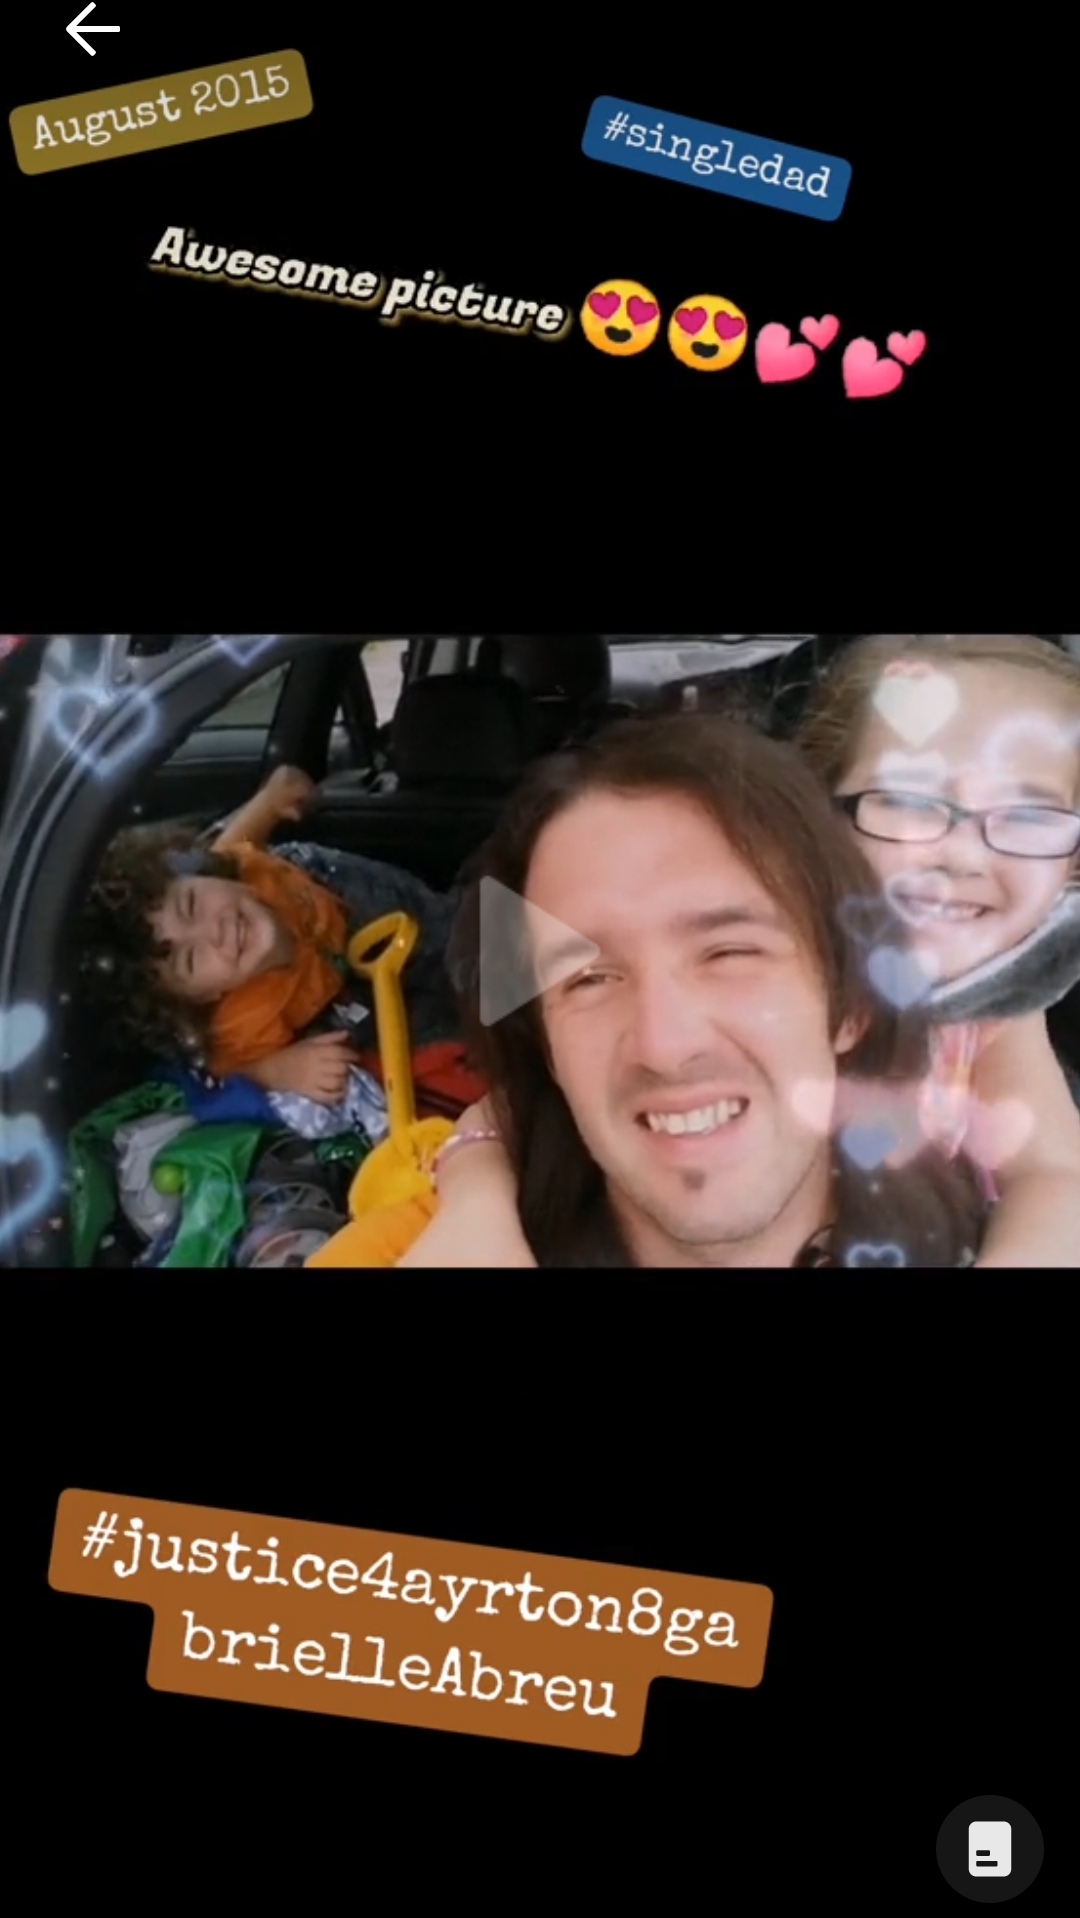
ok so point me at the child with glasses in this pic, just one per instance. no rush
(965, 795)
(957, 760)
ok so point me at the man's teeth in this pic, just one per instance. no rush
(704, 1119)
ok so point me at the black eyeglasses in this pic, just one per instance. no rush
(1024, 832)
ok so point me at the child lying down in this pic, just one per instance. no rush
(224, 958)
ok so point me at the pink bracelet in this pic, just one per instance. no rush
(452, 1144)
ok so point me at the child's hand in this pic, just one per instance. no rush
(311, 1068)
(290, 792)
(476, 1224)
(478, 1178)
(490, 1236)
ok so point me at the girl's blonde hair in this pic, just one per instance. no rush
(836, 711)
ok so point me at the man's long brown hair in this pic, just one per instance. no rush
(778, 819)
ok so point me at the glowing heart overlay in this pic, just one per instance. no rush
(916, 705)
(813, 1101)
(868, 1146)
(22, 1140)
(891, 1255)
(900, 977)
(246, 648)
(83, 702)
(22, 1029)
(996, 1133)
(866, 919)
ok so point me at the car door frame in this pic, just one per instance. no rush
(66, 797)
(235, 761)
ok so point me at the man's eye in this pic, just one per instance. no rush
(734, 952)
(586, 979)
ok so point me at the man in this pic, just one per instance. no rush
(675, 1101)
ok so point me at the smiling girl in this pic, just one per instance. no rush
(957, 760)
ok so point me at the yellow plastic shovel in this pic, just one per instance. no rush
(399, 1168)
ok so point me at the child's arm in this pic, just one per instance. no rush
(1026, 1128)
(314, 1068)
(287, 794)
(476, 1224)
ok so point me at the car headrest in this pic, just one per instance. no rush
(464, 730)
(568, 676)
(571, 666)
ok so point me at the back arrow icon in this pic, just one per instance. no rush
(73, 29)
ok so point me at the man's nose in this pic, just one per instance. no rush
(672, 1024)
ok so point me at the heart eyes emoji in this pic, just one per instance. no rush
(622, 318)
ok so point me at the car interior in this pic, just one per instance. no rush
(421, 786)
(459, 742)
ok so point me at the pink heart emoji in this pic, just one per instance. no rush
(604, 304)
(821, 333)
(691, 318)
(865, 376)
(908, 347)
(729, 327)
(777, 359)
(641, 311)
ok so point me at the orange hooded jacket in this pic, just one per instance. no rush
(265, 1014)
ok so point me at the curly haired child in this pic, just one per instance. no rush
(225, 956)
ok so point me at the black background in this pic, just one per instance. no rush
(887, 1456)
(197, 432)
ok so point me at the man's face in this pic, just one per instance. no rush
(220, 936)
(689, 1048)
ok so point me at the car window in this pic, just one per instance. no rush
(639, 661)
(663, 659)
(255, 706)
(434, 656)
(381, 664)
(383, 661)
